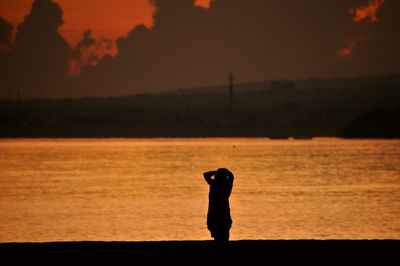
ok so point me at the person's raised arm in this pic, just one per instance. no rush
(208, 175)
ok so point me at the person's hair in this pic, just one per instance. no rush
(220, 175)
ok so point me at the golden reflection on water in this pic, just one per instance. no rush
(153, 189)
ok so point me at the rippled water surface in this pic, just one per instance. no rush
(153, 189)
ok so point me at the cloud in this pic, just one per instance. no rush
(359, 14)
(192, 46)
(368, 11)
(5, 47)
(40, 54)
(5, 34)
(348, 49)
(88, 52)
(203, 3)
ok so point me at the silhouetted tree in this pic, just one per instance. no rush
(373, 124)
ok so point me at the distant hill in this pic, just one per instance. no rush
(300, 84)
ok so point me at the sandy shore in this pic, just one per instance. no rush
(188, 252)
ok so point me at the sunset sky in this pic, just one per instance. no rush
(187, 43)
(105, 20)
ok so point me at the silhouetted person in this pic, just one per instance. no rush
(219, 217)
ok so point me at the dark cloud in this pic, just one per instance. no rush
(5, 47)
(5, 35)
(40, 55)
(84, 53)
(88, 52)
(86, 42)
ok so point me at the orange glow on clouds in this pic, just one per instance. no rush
(360, 13)
(203, 3)
(107, 19)
(345, 52)
(348, 49)
(368, 11)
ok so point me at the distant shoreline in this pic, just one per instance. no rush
(358, 112)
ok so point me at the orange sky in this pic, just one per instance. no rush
(107, 19)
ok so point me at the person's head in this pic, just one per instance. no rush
(220, 176)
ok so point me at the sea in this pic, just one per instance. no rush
(154, 190)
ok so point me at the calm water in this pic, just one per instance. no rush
(132, 189)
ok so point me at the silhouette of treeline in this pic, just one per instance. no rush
(374, 124)
(264, 109)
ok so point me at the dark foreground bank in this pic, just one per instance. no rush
(199, 252)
